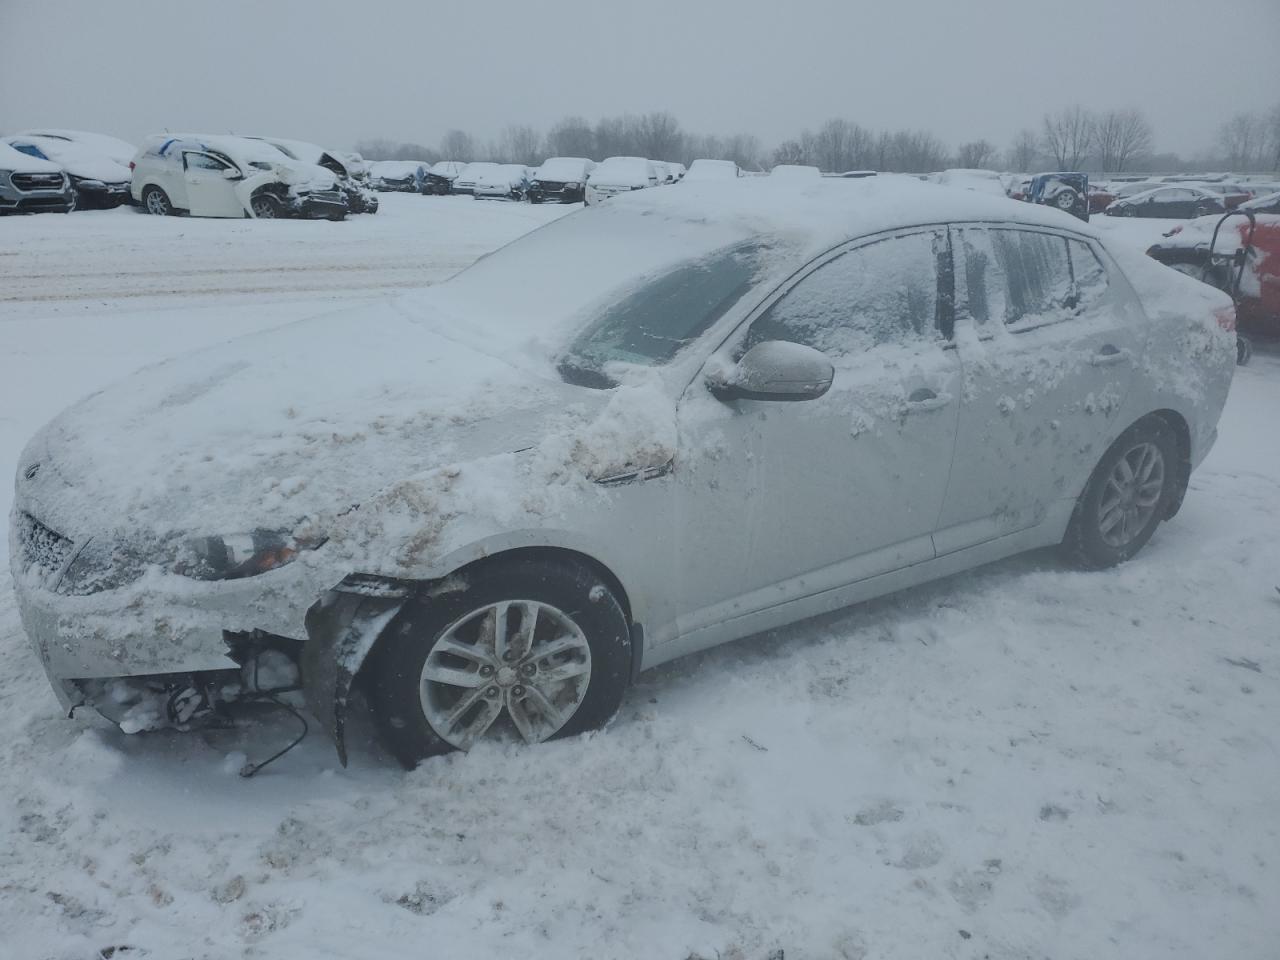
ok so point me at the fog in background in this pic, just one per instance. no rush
(339, 73)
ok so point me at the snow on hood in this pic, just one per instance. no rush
(15, 161)
(307, 420)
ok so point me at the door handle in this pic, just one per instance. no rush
(1108, 355)
(924, 399)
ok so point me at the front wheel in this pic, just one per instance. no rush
(531, 650)
(1129, 493)
(156, 202)
(265, 207)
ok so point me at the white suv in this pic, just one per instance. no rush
(224, 176)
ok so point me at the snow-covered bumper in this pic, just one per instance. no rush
(163, 623)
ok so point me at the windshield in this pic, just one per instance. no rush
(652, 322)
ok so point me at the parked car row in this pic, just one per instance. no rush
(556, 180)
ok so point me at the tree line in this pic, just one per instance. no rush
(1074, 138)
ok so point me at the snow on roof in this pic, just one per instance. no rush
(16, 161)
(118, 150)
(563, 168)
(77, 158)
(240, 149)
(642, 234)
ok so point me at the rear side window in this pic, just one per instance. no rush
(884, 292)
(1018, 278)
(1088, 274)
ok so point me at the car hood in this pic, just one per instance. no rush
(305, 176)
(303, 422)
(97, 168)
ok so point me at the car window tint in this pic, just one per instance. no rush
(885, 292)
(202, 161)
(1088, 273)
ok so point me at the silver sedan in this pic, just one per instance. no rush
(650, 427)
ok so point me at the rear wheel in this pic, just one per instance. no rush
(1127, 496)
(156, 202)
(531, 650)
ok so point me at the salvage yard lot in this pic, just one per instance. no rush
(1024, 761)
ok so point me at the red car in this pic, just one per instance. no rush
(1099, 199)
(1255, 245)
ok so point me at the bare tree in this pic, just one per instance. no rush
(1024, 153)
(743, 149)
(839, 145)
(659, 136)
(520, 144)
(1273, 136)
(572, 137)
(790, 151)
(1068, 136)
(1119, 136)
(976, 154)
(458, 145)
(1243, 141)
(915, 151)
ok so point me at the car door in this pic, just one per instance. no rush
(799, 498)
(209, 192)
(1047, 341)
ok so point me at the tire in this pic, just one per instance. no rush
(265, 207)
(1066, 200)
(156, 202)
(1095, 538)
(413, 712)
(1244, 350)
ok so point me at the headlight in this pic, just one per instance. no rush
(239, 556)
(572, 185)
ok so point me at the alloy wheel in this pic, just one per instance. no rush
(522, 659)
(1131, 495)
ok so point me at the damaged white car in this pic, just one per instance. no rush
(226, 176)
(495, 502)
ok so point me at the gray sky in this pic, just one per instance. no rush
(411, 69)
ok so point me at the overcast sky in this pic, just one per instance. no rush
(411, 69)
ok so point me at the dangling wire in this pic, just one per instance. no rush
(249, 769)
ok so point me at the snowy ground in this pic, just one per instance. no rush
(1021, 762)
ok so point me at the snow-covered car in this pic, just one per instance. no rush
(615, 175)
(397, 176)
(984, 181)
(678, 171)
(99, 181)
(1269, 203)
(703, 170)
(227, 176)
(497, 500)
(31, 185)
(349, 169)
(1182, 201)
(440, 176)
(1065, 190)
(504, 181)
(113, 148)
(665, 175)
(561, 180)
(465, 182)
(1243, 260)
(1233, 194)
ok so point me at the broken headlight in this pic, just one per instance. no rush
(239, 556)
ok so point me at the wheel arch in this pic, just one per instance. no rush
(1181, 430)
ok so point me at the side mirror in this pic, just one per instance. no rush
(231, 173)
(777, 370)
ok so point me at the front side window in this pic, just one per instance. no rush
(882, 293)
(651, 323)
(202, 161)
